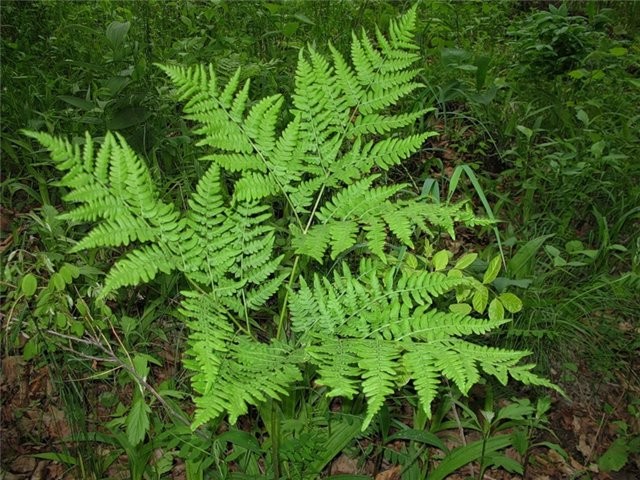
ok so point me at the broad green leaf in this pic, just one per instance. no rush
(480, 299)
(492, 270)
(573, 246)
(440, 260)
(58, 281)
(521, 264)
(466, 260)
(69, 272)
(527, 132)
(411, 260)
(128, 117)
(140, 365)
(421, 436)
(29, 285)
(80, 103)
(520, 441)
(241, 439)
(138, 421)
(455, 273)
(343, 433)
(468, 453)
(496, 310)
(618, 51)
(511, 302)
(502, 461)
(583, 116)
(615, 457)
(117, 32)
(31, 349)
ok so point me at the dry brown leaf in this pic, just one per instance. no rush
(12, 368)
(583, 447)
(39, 472)
(56, 423)
(391, 474)
(344, 465)
(23, 464)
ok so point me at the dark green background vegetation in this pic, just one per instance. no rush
(539, 101)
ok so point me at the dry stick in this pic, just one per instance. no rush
(601, 424)
(461, 430)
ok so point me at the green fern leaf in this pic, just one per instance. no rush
(421, 365)
(379, 363)
(249, 373)
(138, 266)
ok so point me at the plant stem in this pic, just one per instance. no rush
(275, 441)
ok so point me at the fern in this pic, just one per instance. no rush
(283, 190)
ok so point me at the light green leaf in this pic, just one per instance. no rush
(69, 272)
(140, 365)
(582, 116)
(492, 270)
(496, 310)
(138, 421)
(466, 260)
(615, 457)
(440, 260)
(618, 51)
(527, 132)
(411, 260)
(31, 349)
(463, 308)
(511, 302)
(58, 281)
(29, 285)
(480, 298)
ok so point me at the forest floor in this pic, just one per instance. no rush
(33, 422)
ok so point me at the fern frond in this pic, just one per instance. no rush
(382, 124)
(260, 124)
(211, 332)
(237, 162)
(255, 186)
(338, 367)
(250, 373)
(122, 231)
(420, 362)
(139, 266)
(379, 362)
(392, 151)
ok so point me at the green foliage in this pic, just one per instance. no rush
(554, 41)
(368, 329)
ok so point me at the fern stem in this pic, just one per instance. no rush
(283, 311)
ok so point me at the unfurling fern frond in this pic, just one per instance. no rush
(279, 188)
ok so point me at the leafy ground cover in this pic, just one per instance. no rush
(536, 110)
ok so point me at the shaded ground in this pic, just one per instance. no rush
(598, 413)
